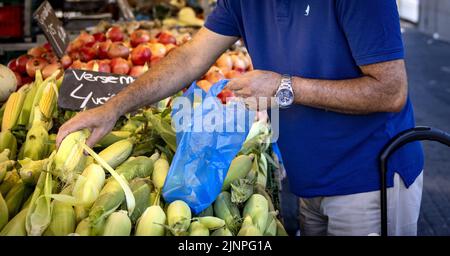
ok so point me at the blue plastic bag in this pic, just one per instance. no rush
(203, 156)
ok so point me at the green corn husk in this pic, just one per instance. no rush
(198, 229)
(63, 221)
(248, 228)
(222, 232)
(39, 212)
(4, 215)
(112, 138)
(257, 208)
(261, 179)
(83, 228)
(227, 211)
(211, 222)
(160, 173)
(110, 198)
(118, 224)
(28, 103)
(117, 153)
(11, 178)
(280, 229)
(207, 212)
(15, 198)
(5, 167)
(16, 226)
(4, 155)
(97, 229)
(141, 188)
(35, 146)
(8, 141)
(241, 190)
(239, 168)
(151, 222)
(51, 144)
(88, 186)
(31, 170)
(271, 229)
(178, 217)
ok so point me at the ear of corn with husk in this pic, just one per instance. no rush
(239, 168)
(248, 228)
(35, 146)
(113, 137)
(198, 229)
(39, 212)
(83, 228)
(15, 198)
(30, 170)
(152, 222)
(4, 215)
(222, 232)
(11, 178)
(8, 141)
(117, 224)
(16, 226)
(160, 172)
(257, 208)
(141, 188)
(12, 110)
(117, 153)
(229, 212)
(178, 217)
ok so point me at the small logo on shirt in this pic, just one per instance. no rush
(307, 10)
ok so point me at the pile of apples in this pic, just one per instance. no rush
(117, 52)
(41, 57)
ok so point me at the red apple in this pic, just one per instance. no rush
(141, 55)
(87, 53)
(36, 51)
(225, 95)
(166, 38)
(48, 46)
(19, 79)
(21, 63)
(115, 34)
(104, 66)
(170, 47)
(120, 66)
(118, 49)
(158, 50)
(12, 64)
(77, 64)
(139, 36)
(75, 45)
(66, 61)
(137, 71)
(35, 64)
(99, 37)
(232, 74)
(86, 38)
(103, 49)
(50, 69)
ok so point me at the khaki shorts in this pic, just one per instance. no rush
(359, 214)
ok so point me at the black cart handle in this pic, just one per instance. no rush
(411, 135)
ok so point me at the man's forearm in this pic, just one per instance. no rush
(177, 69)
(353, 96)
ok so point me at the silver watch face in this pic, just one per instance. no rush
(285, 97)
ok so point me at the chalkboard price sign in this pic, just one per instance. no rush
(82, 89)
(52, 27)
(126, 10)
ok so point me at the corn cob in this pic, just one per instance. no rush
(47, 103)
(12, 110)
(69, 158)
(248, 228)
(257, 208)
(88, 185)
(117, 224)
(62, 221)
(11, 178)
(178, 217)
(16, 226)
(27, 105)
(8, 141)
(141, 191)
(229, 212)
(160, 173)
(280, 229)
(4, 214)
(83, 228)
(113, 137)
(35, 146)
(222, 232)
(4, 155)
(14, 198)
(198, 229)
(30, 170)
(239, 168)
(5, 167)
(117, 153)
(151, 222)
(39, 212)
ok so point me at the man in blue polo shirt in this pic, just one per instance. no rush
(336, 67)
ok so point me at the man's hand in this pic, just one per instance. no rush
(254, 86)
(99, 121)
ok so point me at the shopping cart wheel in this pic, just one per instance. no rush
(411, 135)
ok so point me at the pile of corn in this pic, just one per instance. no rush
(116, 189)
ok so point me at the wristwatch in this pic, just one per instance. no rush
(285, 95)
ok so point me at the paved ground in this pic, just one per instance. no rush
(428, 64)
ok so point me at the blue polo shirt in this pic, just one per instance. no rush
(326, 153)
